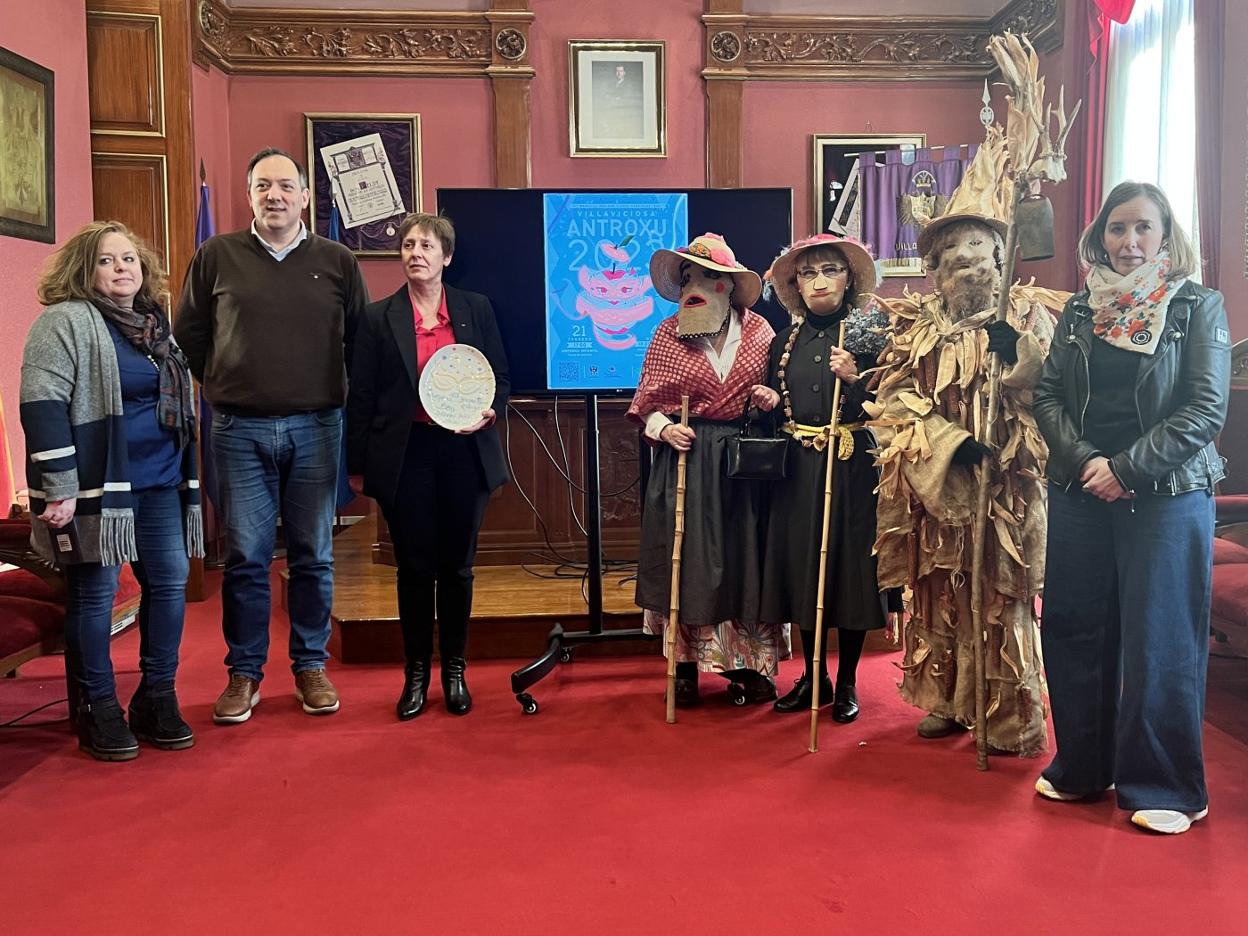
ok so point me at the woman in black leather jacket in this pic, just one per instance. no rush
(1133, 393)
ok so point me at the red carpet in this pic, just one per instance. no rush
(592, 817)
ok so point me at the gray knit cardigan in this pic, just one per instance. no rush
(71, 411)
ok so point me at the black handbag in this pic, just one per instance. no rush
(761, 457)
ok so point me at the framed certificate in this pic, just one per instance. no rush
(365, 176)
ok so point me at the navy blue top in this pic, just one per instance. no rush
(155, 461)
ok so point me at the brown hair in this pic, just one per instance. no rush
(821, 253)
(70, 272)
(438, 225)
(1184, 259)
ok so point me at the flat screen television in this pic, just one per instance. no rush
(567, 270)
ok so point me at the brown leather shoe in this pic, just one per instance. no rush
(234, 705)
(316, 692)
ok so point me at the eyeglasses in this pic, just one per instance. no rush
(809, 275)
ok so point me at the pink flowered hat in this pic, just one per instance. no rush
(712, 252)
(782, 277)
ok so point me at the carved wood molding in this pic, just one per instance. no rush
(268, 41)
(741, 46)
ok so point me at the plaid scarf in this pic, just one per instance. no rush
(146, 327)
(1128, 311)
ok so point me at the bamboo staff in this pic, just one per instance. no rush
(673, 615)
(815, 679)
(981, 500)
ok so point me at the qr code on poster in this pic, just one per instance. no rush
(568, 371)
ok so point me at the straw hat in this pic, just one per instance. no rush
(980, 196)
(712, 252)
(782, 277)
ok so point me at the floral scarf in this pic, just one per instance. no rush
(1128, 311)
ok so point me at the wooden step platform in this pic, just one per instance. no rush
(512, 609)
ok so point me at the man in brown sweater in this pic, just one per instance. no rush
(266, 320)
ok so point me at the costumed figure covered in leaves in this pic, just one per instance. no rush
(932, 395)
(819, 281)
(714, 349)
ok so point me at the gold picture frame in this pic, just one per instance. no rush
(27, 149)
(617, 98)
(835, 167)
(400, 140)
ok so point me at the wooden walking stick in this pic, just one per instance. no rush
(981, 499)
(823, 554)
(673, 614)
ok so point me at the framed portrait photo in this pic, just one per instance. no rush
(364, 170)
(840, 196)
(27, 150)
(617, 98)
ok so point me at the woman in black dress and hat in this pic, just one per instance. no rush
(819, 281)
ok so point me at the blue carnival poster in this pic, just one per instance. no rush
(601, 308)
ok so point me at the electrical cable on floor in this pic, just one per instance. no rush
(15, 723)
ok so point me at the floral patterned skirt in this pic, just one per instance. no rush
(726, 646)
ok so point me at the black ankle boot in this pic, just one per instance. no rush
(103, 734)
(797, 699)
(454, 688)
(415, 689)
(845, 709)
(156, 718)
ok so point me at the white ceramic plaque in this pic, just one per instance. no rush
(456, 385)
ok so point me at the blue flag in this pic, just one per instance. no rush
(204, 229)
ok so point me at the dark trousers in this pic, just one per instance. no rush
(1126, 645)
(161, 569)
(434, 521)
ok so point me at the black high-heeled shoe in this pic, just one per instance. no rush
(415, 690)
(454, 687)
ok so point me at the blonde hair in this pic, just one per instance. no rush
(439, 226)
(1184, 260)
(70, 272)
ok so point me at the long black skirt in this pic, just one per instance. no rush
(721, 565)
(852, 599)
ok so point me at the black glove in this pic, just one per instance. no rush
(1003, 341)
(971, 452)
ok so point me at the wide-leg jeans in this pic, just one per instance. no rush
(1125, 634)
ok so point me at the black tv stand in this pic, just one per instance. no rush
(559, 643)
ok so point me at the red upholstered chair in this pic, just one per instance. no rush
(1232, 499)
(1229, 614)
(32, 604)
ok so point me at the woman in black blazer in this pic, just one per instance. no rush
(432, 484)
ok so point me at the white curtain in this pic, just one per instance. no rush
(1150, 104)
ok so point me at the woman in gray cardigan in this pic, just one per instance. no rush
(107, 409)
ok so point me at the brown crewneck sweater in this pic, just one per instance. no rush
(268, 337)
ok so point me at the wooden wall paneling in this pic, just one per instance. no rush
(142, 151)
(133, 188)
(124, 58)
(725, 146)
(511, 75)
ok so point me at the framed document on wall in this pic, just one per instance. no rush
(616, 98)
(365, 176)
(27, 150)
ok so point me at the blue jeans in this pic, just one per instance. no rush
(161, 569)
(1126, 645)
(269, 467)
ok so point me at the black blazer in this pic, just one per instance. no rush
(383, 394)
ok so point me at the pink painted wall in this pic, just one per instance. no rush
(678, 24)
(1232, 262)
(55, 39)
(210, 115)
(455, 116)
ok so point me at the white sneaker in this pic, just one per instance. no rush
(1049, 791)
(1167, 821)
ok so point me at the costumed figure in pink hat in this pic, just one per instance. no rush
(931, 396)
(820, 280)
(715, 350)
